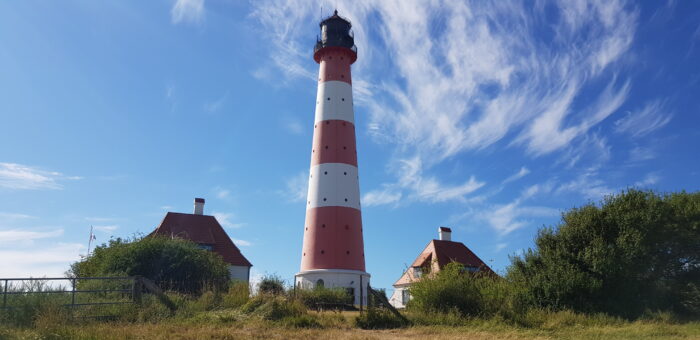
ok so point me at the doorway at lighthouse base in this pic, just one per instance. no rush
(354, 280)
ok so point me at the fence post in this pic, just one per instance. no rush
(4, 296)
(72, 298)
(136, 289)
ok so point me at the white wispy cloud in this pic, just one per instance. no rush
(651, 117)
(588, 184)
(241, 243)
(226, 220)
(18, 176)
(415, 186)
(296, 187)
(520, 174)
(293, 126)
(16, 235)
(106, 228)
(30, 261)
(216, 105)
(441, 78)
(640, 154)
(648, 180)
(222, 193)
(187, 11)
(14, 216)
(380, 197)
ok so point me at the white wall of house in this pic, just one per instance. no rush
(400, 297)
(239, 273)
(336, 278)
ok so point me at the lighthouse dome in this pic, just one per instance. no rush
(336, 31)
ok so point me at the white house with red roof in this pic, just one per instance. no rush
(436, 255)
(206, 231)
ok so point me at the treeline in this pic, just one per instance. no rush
(634, 253)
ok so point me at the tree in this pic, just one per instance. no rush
(633, 252)
(174, 264)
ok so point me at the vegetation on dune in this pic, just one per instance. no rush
(635, 252)
(626, 268)
(175, 264)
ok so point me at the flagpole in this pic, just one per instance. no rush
(90, 241)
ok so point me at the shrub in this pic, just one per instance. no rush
(273, 307)
(633, 252)
(449, 289)
(238, 294)
(376, 318)
(324, 298)
(271, 284)
(175, 264)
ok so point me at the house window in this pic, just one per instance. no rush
(471, 269)
(417, 272)
(205, 247)
(405, 296)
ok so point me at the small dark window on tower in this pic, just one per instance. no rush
(329, 98)
(347, 252)
(345, 147)
(315, 126)
(324, 199)
(345, 173)
(328, 122)
(325, 172)
(323, 225)
(343, 123)
(323, 252)
(307, 229)
(343, 99)
(304, 254)
(347, 227)
(342, 76)
(326, 147)
(346, 200)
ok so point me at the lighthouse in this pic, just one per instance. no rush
(333, 251)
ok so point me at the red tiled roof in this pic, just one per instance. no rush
(450, 251)
(202, 229)
(444, 252)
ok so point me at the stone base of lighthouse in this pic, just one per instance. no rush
(355, 281)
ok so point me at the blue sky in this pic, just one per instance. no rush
(488, 117)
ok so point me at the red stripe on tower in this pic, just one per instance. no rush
(333, 249)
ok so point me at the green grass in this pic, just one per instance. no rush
(232, 315)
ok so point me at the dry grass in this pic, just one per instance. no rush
(339, 326)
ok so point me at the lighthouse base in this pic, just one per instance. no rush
(354, 281)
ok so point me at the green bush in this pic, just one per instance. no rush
(635, 251)
(271, 284)
(322, 298)
(273, 307)
(448, 290)
(238, 294)
(175, 264)
(376, 318)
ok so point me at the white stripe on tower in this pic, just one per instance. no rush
(334, 102)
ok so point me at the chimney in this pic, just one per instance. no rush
(199, 206)
(445, 234)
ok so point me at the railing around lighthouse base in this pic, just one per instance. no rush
(355, 280)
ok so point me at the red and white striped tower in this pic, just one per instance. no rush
(333, 251)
